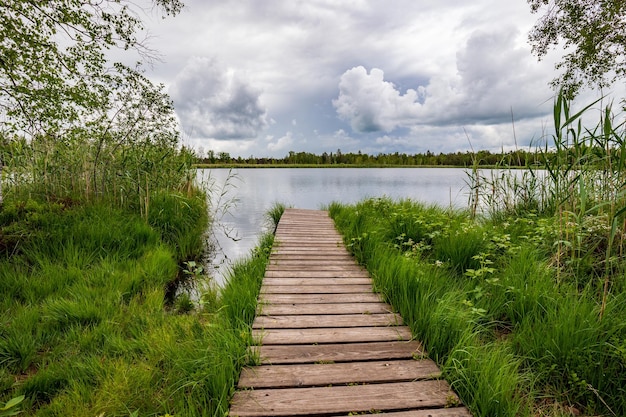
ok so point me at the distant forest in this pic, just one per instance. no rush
(517, 158)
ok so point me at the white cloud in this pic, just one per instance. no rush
(493, 78)
(281, 143)
(372, 104)
(215, 102)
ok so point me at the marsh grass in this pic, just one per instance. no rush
(580, 178)
(86, 328)
(125, 173)
(492, 307)
(274, 214)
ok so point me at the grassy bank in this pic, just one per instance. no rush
(515, 335)
(86, 328)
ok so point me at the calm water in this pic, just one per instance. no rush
(249, 193)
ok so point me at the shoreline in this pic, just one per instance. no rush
(325, 166)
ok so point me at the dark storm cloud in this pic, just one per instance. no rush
(214, 102)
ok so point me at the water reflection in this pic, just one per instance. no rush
(249, 193)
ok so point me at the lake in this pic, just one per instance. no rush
(241, 197)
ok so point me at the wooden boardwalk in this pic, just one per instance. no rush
(328, 346)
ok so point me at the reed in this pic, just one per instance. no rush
(122, 171)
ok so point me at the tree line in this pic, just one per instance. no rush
(458, 159)
(539, 157)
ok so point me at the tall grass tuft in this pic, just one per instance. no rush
(274, 214)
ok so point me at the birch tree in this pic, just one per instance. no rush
(593, 35)
(57, 82)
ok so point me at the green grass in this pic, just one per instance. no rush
(514, 331)
(274, 214)
(86, 328)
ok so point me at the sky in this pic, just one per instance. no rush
(262, 78)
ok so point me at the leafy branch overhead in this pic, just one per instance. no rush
(54, 69)
(593, 33)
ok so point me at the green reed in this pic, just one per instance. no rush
(77, 168)
(579, 176)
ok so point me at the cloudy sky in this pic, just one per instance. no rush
(263, 78)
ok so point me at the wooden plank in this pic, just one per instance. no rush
(289, 265)
(307, 233)
(323, 245)
(313, 262)
(331, 335)
(342, 320)
(294, 248)
(312, 256)
(341, 399)
(431, 412)
(311, 252)
(316, 274)
(303, 220)
(284, 354)
(267, 282)
(315, 289)
(310, 309)
(335, 269)
(318, 298)
(325, 228)
(303, 237)
(317, 253)
(315, 241)
(319, 375)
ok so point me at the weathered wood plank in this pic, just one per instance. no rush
(284, 354)
(331, 335)
(293, 247)
(318, 298)
(267, 282)
(320, 254)
(458, 411)
(341, 399)
(314, 309)
(306, 263)
(431, 412)
(320, 321)
(316, 289)
(316, 274)
(311, 245)
(354, 273)
(304, 237)
(311, 252)
(311, 268)
(319, 375)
